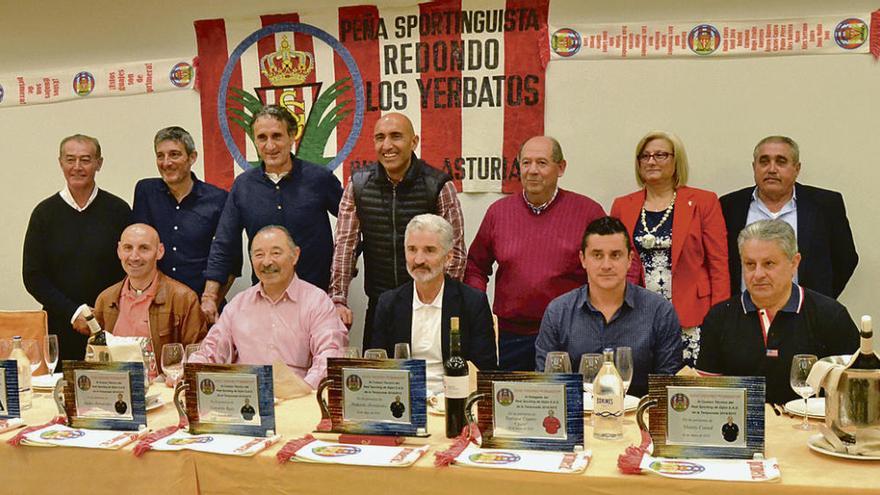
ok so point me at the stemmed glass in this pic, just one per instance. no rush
(351, 352)
(623, 360)
(172, 361)
(801, 364)
(190, 350)
(31, 349)
(589, 367)
(50, 352)
(557, 362)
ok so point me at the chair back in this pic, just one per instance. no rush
(29, 325)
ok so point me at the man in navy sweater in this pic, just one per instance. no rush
(70, 244)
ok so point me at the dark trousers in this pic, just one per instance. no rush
(368, 322)
(516, 352)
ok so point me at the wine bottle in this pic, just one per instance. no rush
(25, 393)
(455, 382)
(96, 347)
(866, 359)
(608, 401)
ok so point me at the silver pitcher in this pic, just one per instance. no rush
(855, 406)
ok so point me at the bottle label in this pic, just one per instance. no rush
(455, 387)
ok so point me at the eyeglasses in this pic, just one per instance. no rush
(660, 156)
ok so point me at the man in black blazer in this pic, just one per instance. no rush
(823, 234)
(418, 312)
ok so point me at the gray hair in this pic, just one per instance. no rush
(83, 139)
(280, 228)
(176, 134)
(280, 114)
(795, 150)
(770, 230)
(555, 148)
(429, 222)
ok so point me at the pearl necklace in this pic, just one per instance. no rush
(649, 239)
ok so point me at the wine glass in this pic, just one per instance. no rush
(190, 350)
(557, 362)
(401, 350)
(801, 364)
(31, 349)
(375, 354)
(172, 361)
(590, 366)
(623, 360)
(351, 352)
(50, 352)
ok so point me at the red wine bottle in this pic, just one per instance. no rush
(455, 382)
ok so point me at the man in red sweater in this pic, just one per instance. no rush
(534, 238)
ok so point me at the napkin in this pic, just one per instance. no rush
(125, 348)
(687, 371)
(286, 383)
(825, 375)
(867, 442)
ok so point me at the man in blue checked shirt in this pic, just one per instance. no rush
(183, 209)
(282, 190)
(609, 312)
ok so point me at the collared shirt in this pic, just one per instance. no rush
(185, 228)
(348, 234)
(759, 211)
(301, 329)
(134, 310)
(426, 333)
(67, 196)
(538, 209)
(645, 321)
(300, 202)
(739, 339)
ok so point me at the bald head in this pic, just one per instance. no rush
(394, 141)
(139, 250)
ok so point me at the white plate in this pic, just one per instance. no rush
(46, 382)
(815, 407)
(815, 446)
(155, 404)
(630, 403)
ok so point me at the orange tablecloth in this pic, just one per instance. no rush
(34, 470)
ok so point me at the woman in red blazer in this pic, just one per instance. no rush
(679, 234)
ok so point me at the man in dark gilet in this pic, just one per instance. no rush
(377, 204)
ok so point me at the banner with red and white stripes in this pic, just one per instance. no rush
(468, 73)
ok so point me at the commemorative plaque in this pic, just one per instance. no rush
(102, 396)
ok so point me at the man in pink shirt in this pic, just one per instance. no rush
(281, 318)
(147, 303)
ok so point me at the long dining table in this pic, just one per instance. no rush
(38, 470)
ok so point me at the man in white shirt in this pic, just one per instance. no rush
(418, 312)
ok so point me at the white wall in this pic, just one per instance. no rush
(597, 109)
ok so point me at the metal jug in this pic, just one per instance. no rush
(854, 406)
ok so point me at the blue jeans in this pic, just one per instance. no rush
(516, 352)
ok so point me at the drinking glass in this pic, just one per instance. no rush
(557, 362)
(375, 354)
(31, 349)
(590, 366)
(801, 364)
(172, 361)
(190, 350)
(623, 360)
(351, 352)
(50, 352)
(401, 350)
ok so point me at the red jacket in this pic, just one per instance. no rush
(700, 277)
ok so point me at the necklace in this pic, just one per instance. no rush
(139, 292)
(649, 239)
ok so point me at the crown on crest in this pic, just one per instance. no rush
(286, 67)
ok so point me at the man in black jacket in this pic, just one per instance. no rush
(818, 216)
(376, 206)
(419, 311)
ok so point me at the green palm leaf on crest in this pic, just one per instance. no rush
(319, 124)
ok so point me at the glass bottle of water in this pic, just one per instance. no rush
(25, 393)
(608, 401)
